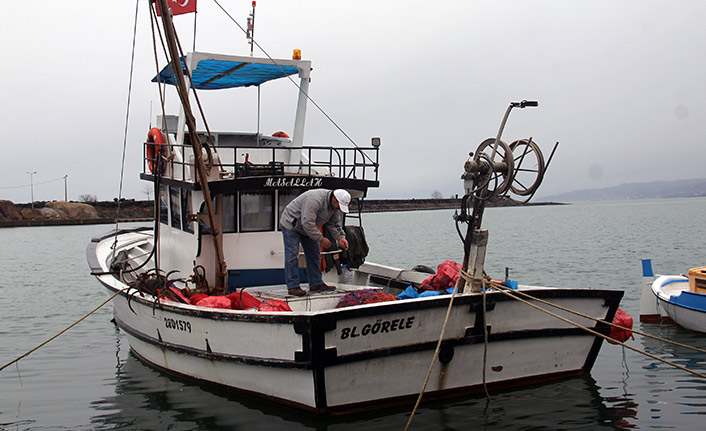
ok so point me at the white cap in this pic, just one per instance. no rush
(343, 198)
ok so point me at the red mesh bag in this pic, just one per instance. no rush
(215, 302)
(243, 300)
(447, 275)
(196, 298)
(274, 305)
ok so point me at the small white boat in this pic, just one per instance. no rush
(682, 299)
(221, 226)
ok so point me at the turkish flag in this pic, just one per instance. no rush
(179, 7)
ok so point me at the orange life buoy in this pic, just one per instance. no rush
(280, 134)
(155, 149)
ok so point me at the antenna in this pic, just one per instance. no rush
(250, 33)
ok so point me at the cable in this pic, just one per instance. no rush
(127, 121)
(63, 330)
(297, 85)
(35, 184)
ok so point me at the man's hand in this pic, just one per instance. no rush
(343, 243)
(325, 243)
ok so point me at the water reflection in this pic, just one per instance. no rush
(673, 394)
(147, 399)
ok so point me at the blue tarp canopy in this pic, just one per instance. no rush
(220, 74)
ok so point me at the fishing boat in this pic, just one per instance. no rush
(358, 347)
(680, 299)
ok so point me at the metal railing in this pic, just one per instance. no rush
(237, 162)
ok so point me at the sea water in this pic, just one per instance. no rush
(87, 379)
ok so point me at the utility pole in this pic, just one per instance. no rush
(65, 189)
(31, 186)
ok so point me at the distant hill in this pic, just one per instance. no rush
(651, 190)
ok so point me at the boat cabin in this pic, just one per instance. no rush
(251, 177)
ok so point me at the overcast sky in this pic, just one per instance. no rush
(620, 84)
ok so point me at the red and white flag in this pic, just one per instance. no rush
(179, 7)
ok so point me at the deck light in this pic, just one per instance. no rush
(375, 142)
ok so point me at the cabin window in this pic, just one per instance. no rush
(163, 199)
(257, 212)
(175, 206)
(283, 200)
(187, 225)
(203, 227)
(229, 214)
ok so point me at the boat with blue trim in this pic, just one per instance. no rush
(680, 299)
(201, 294)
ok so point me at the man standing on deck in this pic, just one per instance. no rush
(300, 222)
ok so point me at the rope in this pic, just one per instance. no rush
(598, 334)
(62, 331)
(644, 334)
(510, 292)
(127, 120)
(153, 18)
(485, 347)
(433, 359)
(295, 84)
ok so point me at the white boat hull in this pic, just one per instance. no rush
(338, 360)
(669, 291)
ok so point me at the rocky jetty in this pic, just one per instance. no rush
(8, 211)
(70, 213)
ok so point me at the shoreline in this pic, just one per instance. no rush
(66, 222)
(142, 211)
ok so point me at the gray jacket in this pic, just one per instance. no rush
(310, 210)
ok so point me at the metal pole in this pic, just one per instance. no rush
(65, 189)
(182, 91)
(31, 186)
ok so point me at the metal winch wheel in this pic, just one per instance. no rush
(503, 165)
(529, 167)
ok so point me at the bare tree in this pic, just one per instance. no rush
(86, 198)
(147, 189)
(436, 194)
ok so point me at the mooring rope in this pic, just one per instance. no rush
(484, 281)
(485, 343)
(62, 331)
(577, 313)
(433, 360)
(510, 292)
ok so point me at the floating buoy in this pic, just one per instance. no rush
(620, 335)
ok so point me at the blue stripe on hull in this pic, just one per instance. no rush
(688, 299)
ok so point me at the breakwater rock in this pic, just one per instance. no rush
(57, 213)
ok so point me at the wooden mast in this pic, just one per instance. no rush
(183, 91)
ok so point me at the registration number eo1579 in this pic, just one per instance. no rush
(179, 325)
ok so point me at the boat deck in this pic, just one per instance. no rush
(311, 302)
(673, 286)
